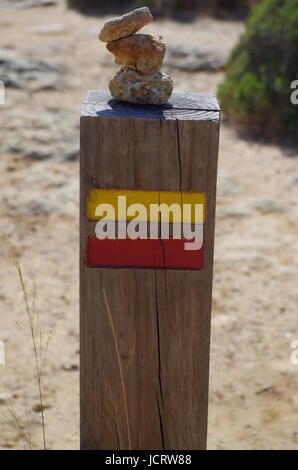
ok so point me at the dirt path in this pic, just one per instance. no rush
(253, 388)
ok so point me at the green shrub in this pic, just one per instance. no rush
(256, 91)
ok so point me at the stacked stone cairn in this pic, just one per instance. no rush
(141, 55)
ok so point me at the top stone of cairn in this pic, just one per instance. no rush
(125, 25)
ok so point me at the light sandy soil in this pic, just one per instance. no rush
(253, 385)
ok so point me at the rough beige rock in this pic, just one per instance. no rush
(136, 87)
(141, 52)
(125, 25)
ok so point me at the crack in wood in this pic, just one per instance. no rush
(136, 319)
(158, 334)
(160, 423)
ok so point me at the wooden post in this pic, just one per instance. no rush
(145, 333)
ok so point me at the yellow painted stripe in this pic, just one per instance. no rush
(176, 199)
(110, 196)
(195, 198)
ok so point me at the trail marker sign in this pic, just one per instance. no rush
(147, 216)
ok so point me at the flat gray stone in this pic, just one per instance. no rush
(18, 71)
(192, 58)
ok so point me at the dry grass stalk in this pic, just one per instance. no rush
(116, 417)
(14, 421)
(37, 342)
(122, 378)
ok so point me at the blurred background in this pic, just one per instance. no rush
(247, 53)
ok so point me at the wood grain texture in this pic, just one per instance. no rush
(193, 106)
(161, 317)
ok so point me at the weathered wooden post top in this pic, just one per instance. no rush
(145, 297)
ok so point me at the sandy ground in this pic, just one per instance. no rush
(253, 385)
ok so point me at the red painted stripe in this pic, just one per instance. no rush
(149, 253)
(176, 257)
